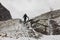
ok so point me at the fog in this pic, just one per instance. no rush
(32, 8)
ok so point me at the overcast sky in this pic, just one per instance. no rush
(32, 8)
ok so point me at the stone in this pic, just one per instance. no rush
(4, 13)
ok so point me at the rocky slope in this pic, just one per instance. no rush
(15, 28)
(4, 13)
(42, 21)
(33, 28)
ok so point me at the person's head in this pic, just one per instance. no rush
(25, 14)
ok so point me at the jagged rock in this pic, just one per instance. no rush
(4, 13)
(43, 20)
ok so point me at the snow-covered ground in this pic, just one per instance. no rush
(19, 31)
(16, 30)
(51, 37)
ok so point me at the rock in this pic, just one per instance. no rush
(43, 21)
(4, 13)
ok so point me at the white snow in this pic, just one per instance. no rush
(18, 31)
(15, 29)
(17, 9)
(49, 37)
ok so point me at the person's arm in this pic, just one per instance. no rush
(28, 17)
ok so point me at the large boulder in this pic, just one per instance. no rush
(4, 13)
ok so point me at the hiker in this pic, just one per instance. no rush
(25, 18)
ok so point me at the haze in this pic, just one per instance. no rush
(32, 8)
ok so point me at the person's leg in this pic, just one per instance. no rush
(24, 20)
